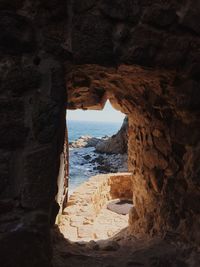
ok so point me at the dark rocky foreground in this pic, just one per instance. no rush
(144, 56)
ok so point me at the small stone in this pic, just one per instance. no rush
(87, 157)
(13, 130)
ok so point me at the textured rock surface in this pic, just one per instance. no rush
(158, 90)
(117, 144)
(32, 110)
(159, 139)
(84, 141)
(87, 217)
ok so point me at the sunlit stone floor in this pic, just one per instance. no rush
(104, 226)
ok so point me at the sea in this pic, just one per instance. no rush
(80, 169)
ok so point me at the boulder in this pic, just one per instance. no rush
(117, 144)
(84, 141)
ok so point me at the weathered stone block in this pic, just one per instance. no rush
(173, 51)
(140, 49)
(54, 47)
(39, 187)
(4, 172)
(122, 10)
(15, 4)
(13, 131)
(58, 85)
(57, 9)
(21, 80)
(46, 119)
(159, 16)
(17, 34)
(189, 17)
(79, 6)
(92, 39)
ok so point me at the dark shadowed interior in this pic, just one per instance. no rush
(144, 56)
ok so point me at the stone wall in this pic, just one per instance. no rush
(95, 193)
(32, 126)
(164, 192)
(160, 144)
(142, 55)
(150, 56)
(85, 217)
(121, 186)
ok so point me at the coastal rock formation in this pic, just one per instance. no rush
(142, 55)
(109, 154)
(110, 163)
(86, 157)
(85, 141)
(116, 144)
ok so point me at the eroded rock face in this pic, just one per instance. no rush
(159, 138)
(142, 55)
(161, 98)
(116, 144)
(32, 109)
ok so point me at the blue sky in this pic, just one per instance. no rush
(108, 114)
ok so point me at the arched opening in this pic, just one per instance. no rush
(99, 188)
(94, 147)
(144, 57)
(149, 145)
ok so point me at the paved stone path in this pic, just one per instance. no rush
(86, 217)
(102, 238)
(105, 225)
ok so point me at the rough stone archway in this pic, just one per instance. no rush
(145, 56)
(157, 138)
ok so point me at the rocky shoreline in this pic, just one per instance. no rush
(98, 161)
(108, 154)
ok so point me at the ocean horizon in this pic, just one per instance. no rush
(99, 129)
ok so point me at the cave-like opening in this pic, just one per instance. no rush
(99, 186)
(149, 151)
(97, 143)
(143, 56)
